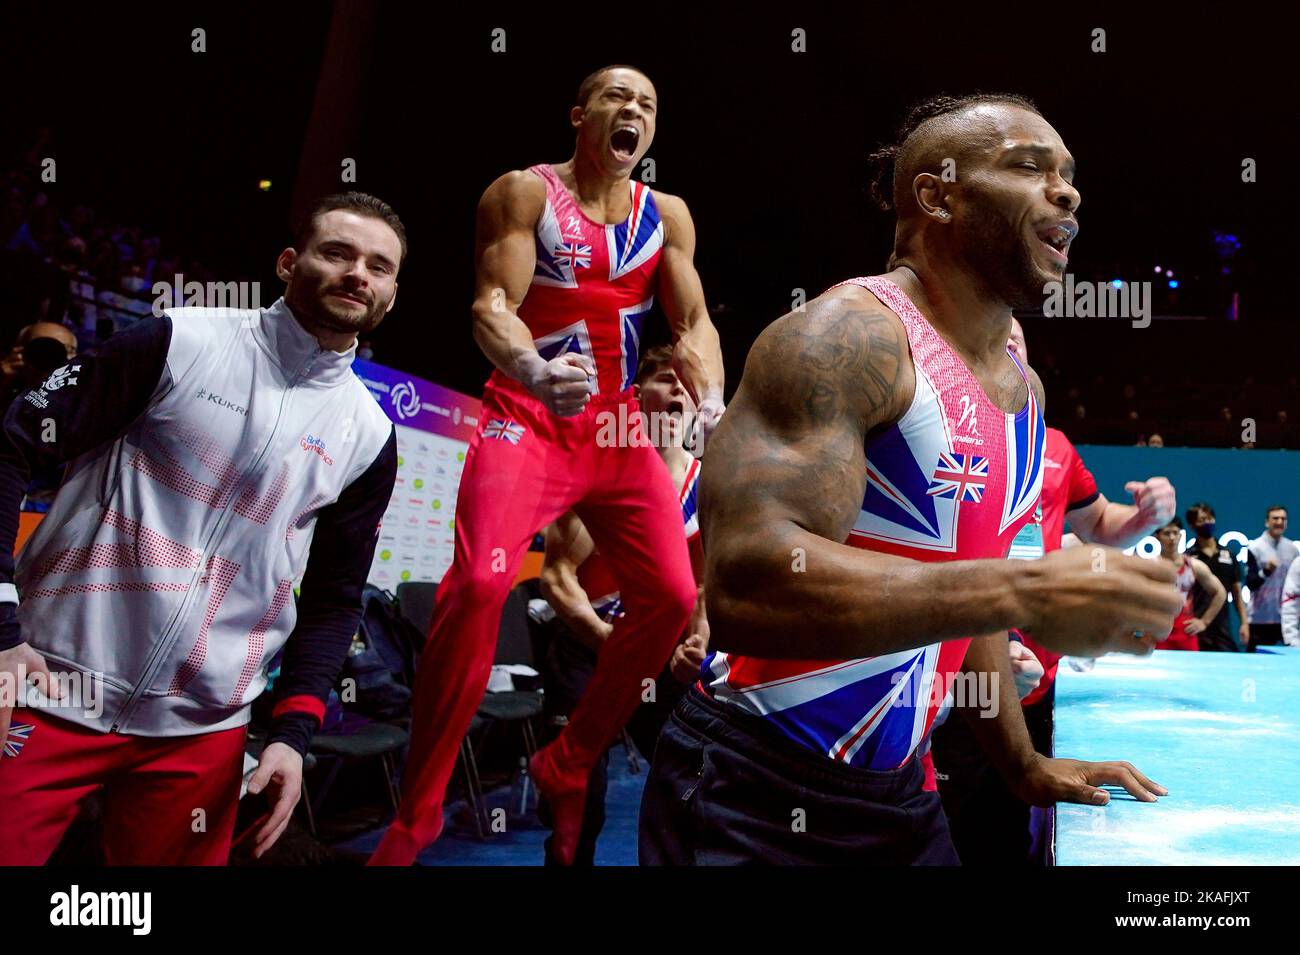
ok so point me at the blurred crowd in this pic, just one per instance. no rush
(69, 266)
(1238, 385)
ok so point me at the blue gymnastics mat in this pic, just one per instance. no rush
(1220, 730)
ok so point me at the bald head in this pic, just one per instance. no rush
(39, 349)
(59, 333)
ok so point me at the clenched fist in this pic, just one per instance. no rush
(563, 384)
(1088, 601)
(1155, 500)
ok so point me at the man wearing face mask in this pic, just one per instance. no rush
(1223, 564)
(216, 457)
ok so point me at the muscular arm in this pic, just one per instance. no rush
(783, 485)
(1002, 733)
(504, 258)
(1119, 525)
(1108, 522)
(568, 544)
(697, 354)
(1210, 584)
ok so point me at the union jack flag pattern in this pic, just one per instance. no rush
(503, 430)
(19, 733)
(938, 488)
(960, 476)
(604, 273)
(574, 255)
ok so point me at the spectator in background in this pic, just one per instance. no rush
(59, 275)
(1269, 557)
(148, 256)
(39, 349)
(37, 229)
(105, 263)
(135, 281)
(72, 254)
(1155, 441)
(1225, 567)
(1188, 626)
(166, 270)
(81, 220)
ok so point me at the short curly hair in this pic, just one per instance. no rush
(588, 84)
(359, 202)
(889, 158)
(653, 360)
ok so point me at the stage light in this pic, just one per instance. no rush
(1173, 283)
(1159, 270)
(264, 185)
(1169, 273)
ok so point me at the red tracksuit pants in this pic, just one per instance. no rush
(512, 486)
(154, 787)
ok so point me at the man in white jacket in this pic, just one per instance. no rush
(216, 457)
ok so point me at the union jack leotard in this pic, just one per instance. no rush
(597, 579)
(593, 284)
(954, 479)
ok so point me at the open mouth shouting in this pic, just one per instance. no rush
(1056, 238)
(623, 142)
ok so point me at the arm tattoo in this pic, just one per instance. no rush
(791, 445)
(840, 364)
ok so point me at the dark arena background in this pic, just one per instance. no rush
(130, 155)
